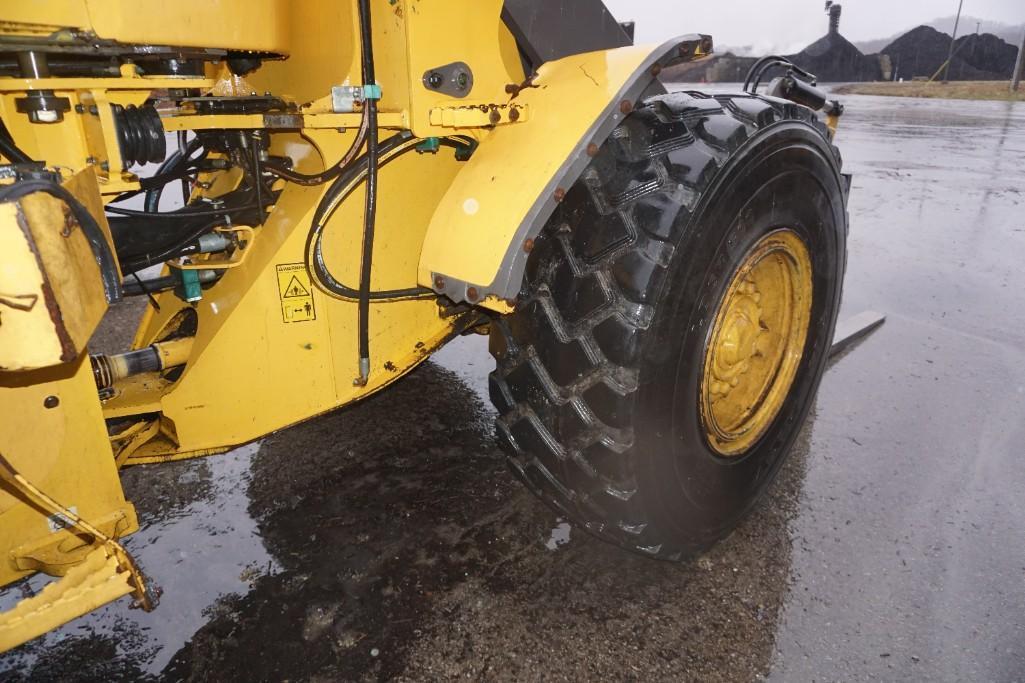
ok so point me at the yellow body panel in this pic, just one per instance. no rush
(307, 365)
(51, 294)
(55, 434)
(506, 191)
(241, 24)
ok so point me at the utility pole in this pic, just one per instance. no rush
(950, 57)
(1016, 76)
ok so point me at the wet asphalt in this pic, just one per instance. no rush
(387, 540)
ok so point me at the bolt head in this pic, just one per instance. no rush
(472, 294)
(559, 194)
(435, 79)
(439, 282)
(592, 150)
(656, 69)
(528, 245)
(51, 401)
(626, 106)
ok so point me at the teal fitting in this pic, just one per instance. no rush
(431, 145)
(372, 92)
(191, 289)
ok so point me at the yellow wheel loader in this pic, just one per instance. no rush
(659, 272)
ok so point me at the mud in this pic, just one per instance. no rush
(388, 541)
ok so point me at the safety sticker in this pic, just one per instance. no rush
(296, 293)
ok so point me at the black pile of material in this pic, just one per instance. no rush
(833, 58)
(921, 51)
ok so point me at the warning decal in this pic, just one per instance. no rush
(295, 292)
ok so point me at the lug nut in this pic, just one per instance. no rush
(592, 150)
(439, 282)
(626, 106)
(559, 194)
(528, 245)
(471, 294)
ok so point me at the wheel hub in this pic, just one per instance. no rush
(756, 343)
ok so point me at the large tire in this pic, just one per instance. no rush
(599, 370)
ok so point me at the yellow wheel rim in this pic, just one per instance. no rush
(756, 343)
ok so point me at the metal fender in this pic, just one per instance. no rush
(479, 237)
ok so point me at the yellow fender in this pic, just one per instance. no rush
(478, 239)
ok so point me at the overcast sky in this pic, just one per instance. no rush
(786, 26)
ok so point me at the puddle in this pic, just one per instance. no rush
(197, 542)
(560, 535)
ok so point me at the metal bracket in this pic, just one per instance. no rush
(478, 115)
(455, 79)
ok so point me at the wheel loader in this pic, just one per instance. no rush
(659, 271)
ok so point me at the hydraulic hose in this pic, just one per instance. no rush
(101, 249)
(370, 210)
(330, 173)
(389, 149)
(9, 149)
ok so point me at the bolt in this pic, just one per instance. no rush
(592, 150)
(559, 194)
(471, 294)
(494, 117)
(462, 80)
(90, 160)
(626, 106)
(656, 69)
(94, 110)
(104, 166)
(435, 80)
(528, 245)
(439, 282)
(79, 109)
(51, 401)
(514, 114)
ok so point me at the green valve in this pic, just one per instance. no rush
(191, 289)
(428, 145)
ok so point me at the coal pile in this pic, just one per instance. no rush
(833, 58)
(920, 53)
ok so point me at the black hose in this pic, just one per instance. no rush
(10, 150)
(330, 173)
(138, 262)
(168, 169)
(370, 210)
(389, 149)
(101, 249)
(181, 213)
(759, 68)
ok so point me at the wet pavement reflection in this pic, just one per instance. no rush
(388, 540)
